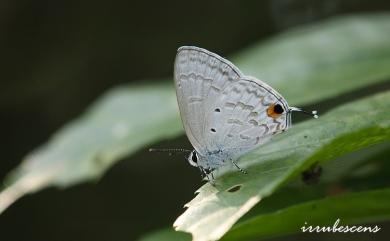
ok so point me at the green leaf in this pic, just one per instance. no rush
(121, 122)
(361, 163)
(306, 64)
(350, 208)
(287, 196)
(348, 128)
(330, 184)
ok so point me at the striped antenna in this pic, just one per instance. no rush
(170, 150)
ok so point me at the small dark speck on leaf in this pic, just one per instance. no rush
(305, 136)
(312, 175)
(235, 188)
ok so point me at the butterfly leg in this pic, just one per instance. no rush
(205, 173)
(239, 168)
(209, 175)
(210, 180)
(202, 173)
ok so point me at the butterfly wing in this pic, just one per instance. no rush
(200, 78)
(243, 121)
(222, 110)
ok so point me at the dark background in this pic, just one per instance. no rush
(58, 56)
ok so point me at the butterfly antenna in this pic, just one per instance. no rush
(313, 113)
(170, 150)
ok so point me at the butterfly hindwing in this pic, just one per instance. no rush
(242, 122)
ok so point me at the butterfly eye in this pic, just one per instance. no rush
(275, 110)
(194, 158)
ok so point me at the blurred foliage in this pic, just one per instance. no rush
(307, 65)
(121, 122)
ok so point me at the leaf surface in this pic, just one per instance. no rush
(121, 122)
(322, 212)
(343, 130)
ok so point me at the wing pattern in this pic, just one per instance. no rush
(242, 123)
(221, 109)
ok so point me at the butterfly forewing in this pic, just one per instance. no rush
(200, 77)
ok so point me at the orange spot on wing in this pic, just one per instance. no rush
(271, 112)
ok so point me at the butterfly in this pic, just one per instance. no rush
(225, 113)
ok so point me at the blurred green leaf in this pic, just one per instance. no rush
(348, 128)
(323, 212)
(353, 163)
(322, 60)
(121, 122)
(306, 64)
(296, 191)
